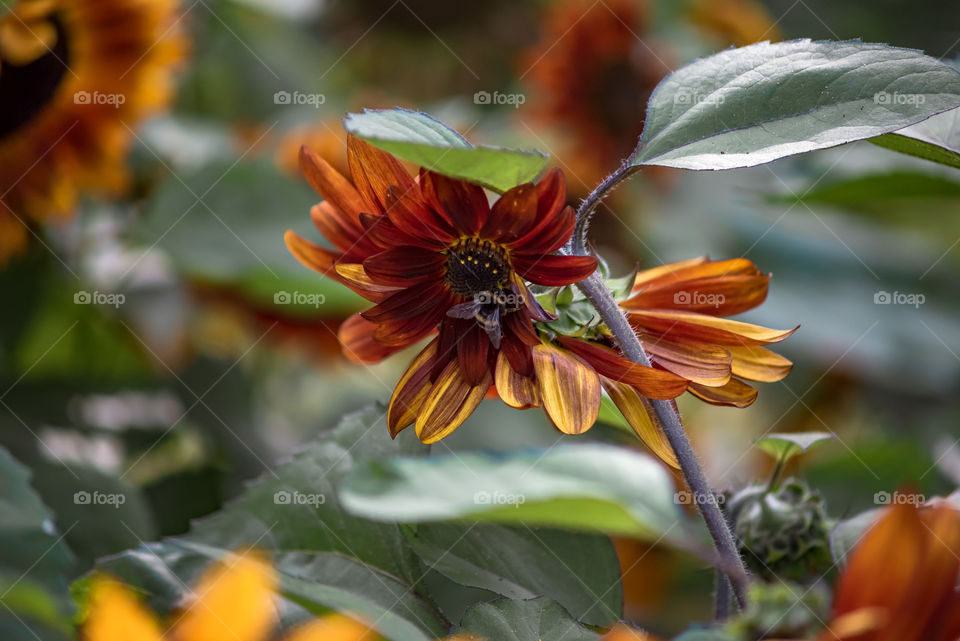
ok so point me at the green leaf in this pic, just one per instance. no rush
(579, 571)
(588, 487)
(223, 226)
(936, 139)
(531, 620)
(34, 560)
(748, 106)
(327, 558)
(886, 194)
(425, 141)
(783, 446)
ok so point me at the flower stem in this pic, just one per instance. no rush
(667, 416)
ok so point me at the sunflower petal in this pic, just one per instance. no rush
(234, 600)
(472, 354)
(637, 412)
(374, 172)
(351, 241)
(405, 265)
(310, 254)
(554, 270)
(759, 364)
(519, 392)
(552, 238)
(334, 188)
(464, 204)
(354, 274)
(665, 270)
(449, 402)
(697, 362)
(115, 614)
(723, 294)
(651, 382)
(700, 327)
(411, 391)
(514, 211)
(569, 389)
(735, 393)
(357, 342)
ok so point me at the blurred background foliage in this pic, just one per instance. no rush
(204, 375)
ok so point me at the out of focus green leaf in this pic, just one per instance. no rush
(748, 106)
(581, 572)
(223, 225)
(936, 139)
(589, 487)
(784, 447)
(423, 140)
(530, 620)
(34, 560)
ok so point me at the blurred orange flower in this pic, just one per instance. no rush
(900, 583)
(592, 72)
(676, 310)
(736, 22)
(75, 75)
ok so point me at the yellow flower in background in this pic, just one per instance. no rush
(233, 601)
(75, 77)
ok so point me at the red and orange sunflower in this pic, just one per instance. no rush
(435, 256)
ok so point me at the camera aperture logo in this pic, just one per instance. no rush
(700, 299)
(98, 298)
(299, 98)
(298, 298)
(499, 498)
(99, 498)
(97, 98)
(497, 98)
(898, 298)
(285, 497)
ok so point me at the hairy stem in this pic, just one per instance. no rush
(665, 412)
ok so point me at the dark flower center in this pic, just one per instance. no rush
(475, 266)
(27, 89)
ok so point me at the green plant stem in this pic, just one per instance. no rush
(665, 412)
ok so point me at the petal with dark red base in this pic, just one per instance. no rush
(406, 265)
(374, 172)
(359, 345)
(569, 389)
(651, 382)
(554, 270)
(449, 402)
(472, 355)
(519, 392)
(463, 204)
(698, 362)
(514, 212)
(411, 391)
(551, 239)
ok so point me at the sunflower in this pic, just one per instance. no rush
(900, 582)
(591, 74)
(233, 600)
(676, 310)
(436, 257)
(74, 76)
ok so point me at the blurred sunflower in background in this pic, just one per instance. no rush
(75, 78)
(591, 74)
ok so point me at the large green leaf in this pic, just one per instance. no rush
(936, 139)
(427, 142)
(579, 571)
(530, 620)
(751, 105)
(223, 225)
(588, 487)
(34, 561)
(327, 558)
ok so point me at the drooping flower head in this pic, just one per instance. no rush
(435, 256)
(75, 75)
